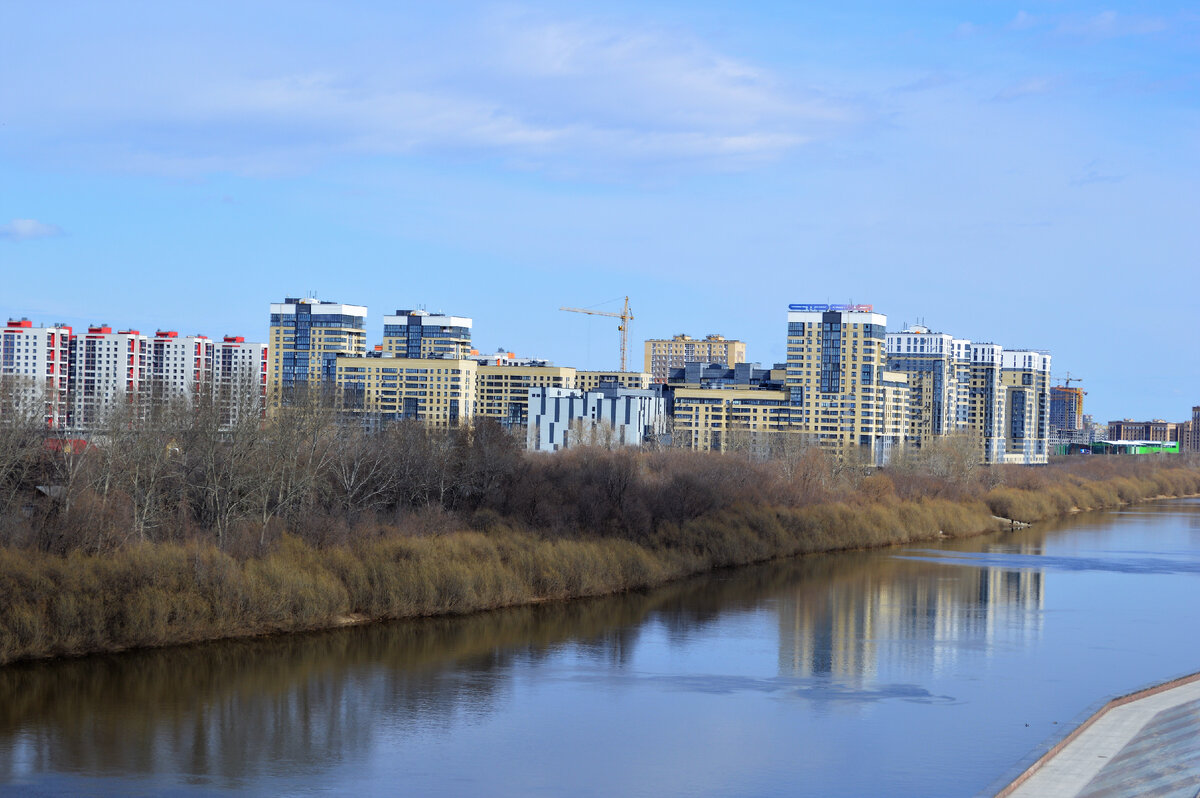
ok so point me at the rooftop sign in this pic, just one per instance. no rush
(809, 308)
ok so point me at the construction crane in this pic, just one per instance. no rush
(625, 316)
(1069, 379)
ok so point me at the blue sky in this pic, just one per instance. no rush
(1019, 173)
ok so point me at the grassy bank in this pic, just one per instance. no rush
(153, 594)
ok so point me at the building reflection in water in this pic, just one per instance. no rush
(896, 614)
(230, 714)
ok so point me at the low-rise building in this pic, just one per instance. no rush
(1155, 430)
(560, 418)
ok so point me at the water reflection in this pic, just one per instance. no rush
(869, 613)
(227, 713)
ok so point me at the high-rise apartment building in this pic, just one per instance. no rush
(1025, 374)
(109, 371)
(178, 368)
(35, 371)
(307, 337)
(420, 334)
(239, 378)
(1066, 409)
(985, 410)
(662, 355)
(939, 374)
(838, 388)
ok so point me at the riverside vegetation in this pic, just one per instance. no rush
(189, 526)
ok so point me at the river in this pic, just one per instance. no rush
(925, 671)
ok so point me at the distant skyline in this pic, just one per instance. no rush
(1019, 173)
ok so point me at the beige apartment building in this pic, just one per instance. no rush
(307, 337)
(662, 355)
(591, 380)
(730, 419)
(503, 390)
(439, 391)
(840, 390)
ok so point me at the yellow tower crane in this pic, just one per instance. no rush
(625, 316)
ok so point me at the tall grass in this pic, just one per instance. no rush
(153, 594)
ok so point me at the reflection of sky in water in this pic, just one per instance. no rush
(1130, 562)
(862, 673)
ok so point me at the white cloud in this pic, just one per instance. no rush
(1025, 88)
(560, 95)
(1109, 24)
(23, 229)
(1024, 21)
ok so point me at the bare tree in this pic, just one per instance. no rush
(21, 431)
(224, 446)
(360, 473)
(297, 448)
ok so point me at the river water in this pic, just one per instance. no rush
(922, 671)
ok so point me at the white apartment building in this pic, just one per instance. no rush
(109, 370)
(35, 371)
(1025, 375)
(239, 377)
(179, 368)
(939, 378)
(560, 418)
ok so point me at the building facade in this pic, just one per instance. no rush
(939, 376)
(504, 389)
(836, 359)
(179, 368)
(1155, 430)
(1066, 409)
(724, 419)
(420, 334)
(560, 418)
(307, 337)
(440, 392)
(1025, 375)
(35, 371)
(594, 380)
(662, 355)
(239, 378)
(109, 372)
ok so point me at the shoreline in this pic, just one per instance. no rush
(1045, 760)
(159, 595)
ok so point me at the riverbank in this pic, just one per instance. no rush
(155, 594)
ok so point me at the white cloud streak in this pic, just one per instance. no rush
(25, 229)
(563, 96)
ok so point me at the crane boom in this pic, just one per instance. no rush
(625, 316)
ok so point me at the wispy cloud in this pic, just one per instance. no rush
(1024, 21)
(1110, 24)
(1025, 88)
(554, 94)
(25, 229)
(1093, 174)
(934, 80)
